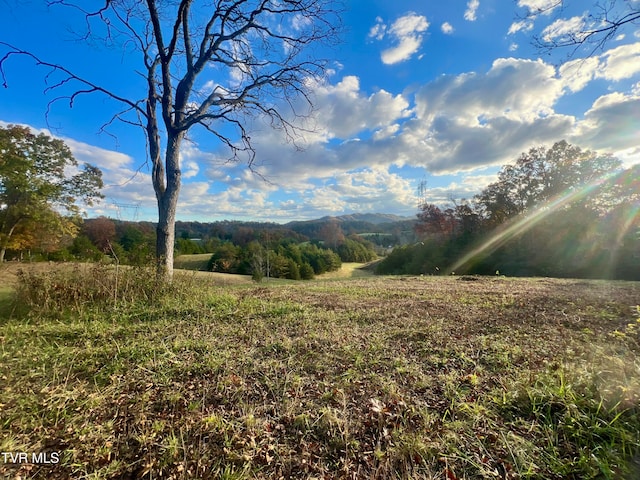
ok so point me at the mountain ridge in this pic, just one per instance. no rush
(373, 218)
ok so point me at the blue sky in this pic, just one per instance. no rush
(445, 92)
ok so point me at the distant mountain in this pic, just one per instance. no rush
(357, 223)
(374, 218)
(353, 218)
(369, 224)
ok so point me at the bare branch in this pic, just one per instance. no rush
(70, 77)
(602, 24)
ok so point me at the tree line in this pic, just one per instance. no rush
(260, 253)
(287, 259)
(559, 211)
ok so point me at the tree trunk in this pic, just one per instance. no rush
(165, 236)
(167, 203)
(3, 247)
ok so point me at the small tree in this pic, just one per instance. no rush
(34, 188)
(205, 64)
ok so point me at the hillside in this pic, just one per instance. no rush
(350, 224)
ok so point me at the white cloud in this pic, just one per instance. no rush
(458, 123)
(473, 120)
(513, 47)
(544, 7)
(472, 8)
(102, 158)
(386, 132)
(617, 64)
(466, 187)
(612, 123)
(621, 62)
(565, 29)
(576, 74)
(190, 169)
(342, 109)
(520, 25)
(513, 88)
(378, 30)
(406, 32)
(372, 190)
(446, 28)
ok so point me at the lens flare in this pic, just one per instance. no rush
(521, 224)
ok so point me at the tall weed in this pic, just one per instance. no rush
(84, 287)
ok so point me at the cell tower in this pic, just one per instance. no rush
(422, 192)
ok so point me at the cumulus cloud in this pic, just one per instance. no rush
(466, 187)
(378, 30)
(470, 12)
(617, 64)
(513, 88)
(456, 123)
(612, 123)
(576, 74)
(343, 110)
(406, 32)
(446, 28)
(621, 62)
(374, 190)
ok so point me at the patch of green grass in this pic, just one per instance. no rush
(197, 262)
(6, 302)
(366, 378)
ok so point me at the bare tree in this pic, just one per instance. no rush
(266, 48)
(584, 34)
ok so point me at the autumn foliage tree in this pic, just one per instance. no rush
(101, 231)
(38, 197)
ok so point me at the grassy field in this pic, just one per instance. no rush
(427, 378)
(192, 262)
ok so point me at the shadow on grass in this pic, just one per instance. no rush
(8, 307)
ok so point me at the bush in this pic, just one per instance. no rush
(83, 249)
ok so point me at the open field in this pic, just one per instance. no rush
(431, 377)
(348, 270)
(192, 262)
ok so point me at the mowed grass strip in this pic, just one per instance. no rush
(367, 378)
